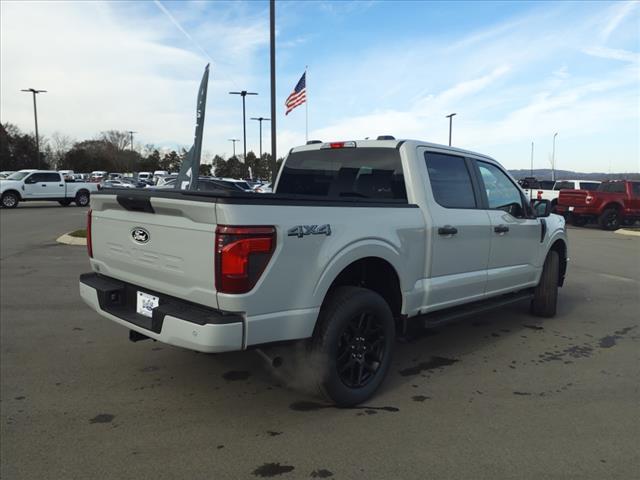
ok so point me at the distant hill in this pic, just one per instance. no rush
(545, 174)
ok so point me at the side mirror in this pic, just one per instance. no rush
(30, 180)
(541, 208)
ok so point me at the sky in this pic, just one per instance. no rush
(514, 72)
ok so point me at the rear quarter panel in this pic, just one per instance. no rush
(301, 270)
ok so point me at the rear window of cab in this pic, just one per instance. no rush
(345, 173)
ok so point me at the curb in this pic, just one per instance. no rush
(69, 240)
(632, 233)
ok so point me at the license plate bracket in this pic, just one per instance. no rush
(145, 303)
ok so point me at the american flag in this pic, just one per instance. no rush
(299, 94)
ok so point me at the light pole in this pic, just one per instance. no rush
(450, 117)
(532, 159)
(234, 140)
(553, 158)
(243, 94)
(131, 132)
(35, 114)
(260, 119)
(272, 61)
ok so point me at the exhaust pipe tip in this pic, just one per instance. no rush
(275, 362)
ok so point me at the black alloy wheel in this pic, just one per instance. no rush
(361, 350)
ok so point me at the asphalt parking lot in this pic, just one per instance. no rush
(501, 395)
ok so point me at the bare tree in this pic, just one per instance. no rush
(58, 147)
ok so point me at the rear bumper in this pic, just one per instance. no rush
(586, 211)
(174, 321)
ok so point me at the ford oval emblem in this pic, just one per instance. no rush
(140, 235)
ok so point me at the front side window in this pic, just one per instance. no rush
(450, 180)
(50, 177)
(502, 194)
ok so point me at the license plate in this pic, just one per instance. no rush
(146, 303)
(571, 209)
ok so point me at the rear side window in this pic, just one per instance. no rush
(450, 180)
(635, 189)
(564, 186)
(590, 186)
(345, 173)
(612, 187)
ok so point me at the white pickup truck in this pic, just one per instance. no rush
(41, 185)
(553, 193)
(358, 239)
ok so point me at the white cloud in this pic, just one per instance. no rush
(618, 13)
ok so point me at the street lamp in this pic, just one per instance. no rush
(553, 158)
(131, 132)
(260, 119)
(450, 117)
(243, 94)
(35, 114)
(234, 140)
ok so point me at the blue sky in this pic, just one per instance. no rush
(513, 72)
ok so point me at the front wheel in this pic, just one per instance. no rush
(82, 199)
(545, 297)
(353, 345)
(10, 200)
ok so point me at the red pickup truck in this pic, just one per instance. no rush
(613, 204)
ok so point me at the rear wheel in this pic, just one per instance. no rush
(353, 345)
(610, 219)
(82, 199)
(10, 200)
(545, 297)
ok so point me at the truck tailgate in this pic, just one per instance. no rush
(161, 244)
(573, 198)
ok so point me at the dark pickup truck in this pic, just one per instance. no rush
(612, 205)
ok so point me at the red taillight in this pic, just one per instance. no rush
(334, 145)
(89, 244)
(242, 254)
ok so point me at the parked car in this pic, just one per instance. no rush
(98, 175)
(6, 173)
(548, 190)
(115, 184)
(145, 175)
(613, 204)
(358, 239)
(41, 185)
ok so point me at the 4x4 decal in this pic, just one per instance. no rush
(302, 230)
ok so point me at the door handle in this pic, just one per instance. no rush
(60, 185)
(44, 184)
(501, 229)
(447, 230)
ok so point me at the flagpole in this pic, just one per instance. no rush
(306, 104)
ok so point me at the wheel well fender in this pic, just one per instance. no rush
(561, 247)
(375, 270)
(609, 205)
(82, 190)
(13, 191)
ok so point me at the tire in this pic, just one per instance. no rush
(545, 297)
(82, 199)
(10, 200)
(354, 322)
(578, 221)
(64, 203)
(610, 219)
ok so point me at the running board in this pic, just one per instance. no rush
(438, 318)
